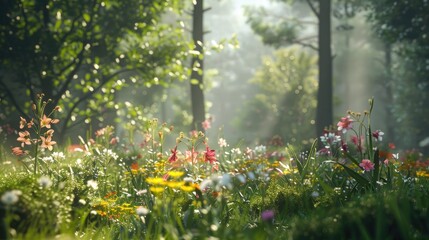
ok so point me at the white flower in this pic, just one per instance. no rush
(11, 197)
(222, 142)
(141, 192)
(58, 156)
(82, 201)
(142, 211)
(45, 182)
(93, 184)
(236, 151)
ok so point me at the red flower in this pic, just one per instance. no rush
(210, 155)
(173, 156)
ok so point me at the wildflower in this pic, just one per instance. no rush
(11, 197)
(386, 162)
(45, 122)
(155, 181)
(22, 123)
(222, 142)
(93, 184)
(47, 143)
(378, 135)
(156, 189)
(30, 124)
(49, 133)
(330, 138)
(191, 156)
(24, 138)
(175, 174)
(114, 141)
(141, 192)
(206, 124)
(236, 151)
(392, 146)
(187, 188)
(17, 151)
(267, 215)
(45, 182)
(173, 156)
(142, 211)
(210, 155)
(367, 165)
(82, 201)
(345, 124)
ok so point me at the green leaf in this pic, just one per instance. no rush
(86, 17)
(361, 180)
(194, 82)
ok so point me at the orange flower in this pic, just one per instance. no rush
(17, 151)
(22, 123)
(45, 122)
(24, 138)
(47, 143)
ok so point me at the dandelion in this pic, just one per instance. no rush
(378, 135)
(11, 197)
(345, 124)
(45, 182)
(222, 142)
(367, 165)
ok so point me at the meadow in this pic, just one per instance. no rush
(161, 183)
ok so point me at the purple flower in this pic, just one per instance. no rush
(267, 215)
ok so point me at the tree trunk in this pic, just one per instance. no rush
(197, 95)
(324, 113)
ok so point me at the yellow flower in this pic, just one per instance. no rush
(187, 188)
(156, 189)
(173, 184)
(156, 181)
(175, 174)
(422, 174)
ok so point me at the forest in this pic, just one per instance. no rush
(220, 119)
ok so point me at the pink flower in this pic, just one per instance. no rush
(345, 124)
(367, 165)
(210, 155)
(206, 124)
(191, 156)
(378, 135)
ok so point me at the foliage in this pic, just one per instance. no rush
(286, 98)
(401, 25)
(79, 53)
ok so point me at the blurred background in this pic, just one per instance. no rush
(257, 70)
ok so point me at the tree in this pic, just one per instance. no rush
(285, 103)
(197, 66)
(286, 32)
(403, 27)
(79, 53)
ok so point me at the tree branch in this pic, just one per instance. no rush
(11, 97)
(313, 8)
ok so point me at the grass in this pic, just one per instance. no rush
(124, 190)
